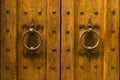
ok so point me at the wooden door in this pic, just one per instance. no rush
(17, 18)
(81, 57)
(59, 40)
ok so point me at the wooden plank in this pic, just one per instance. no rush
(32, 67)
(82, 63)
(8, 40)
(41, 18)
(111, 32)
(53, 40)
(67, 40)
(97, 17)
(0, 37)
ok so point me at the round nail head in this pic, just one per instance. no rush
(39, 12)
(54, 11)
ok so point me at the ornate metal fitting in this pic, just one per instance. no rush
(89, 53)
(31, 30)
(89, 25)
(90, 29)
(32, 25)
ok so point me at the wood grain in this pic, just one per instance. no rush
(81, 63)
(0, 37)
(32, 66)
(53, 40)
(59, 57)
(67, 40)
(8, 40)
(111, 57)
(96, 62)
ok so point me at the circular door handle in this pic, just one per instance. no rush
(32, 31)
(89, 47)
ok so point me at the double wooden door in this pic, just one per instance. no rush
(59, 39)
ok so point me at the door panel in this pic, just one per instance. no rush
(101, 63)
(8, 40)
(67, 40)
(53, 40)
(111, 51)
(80, 61)
(31, 64)
(18, 17)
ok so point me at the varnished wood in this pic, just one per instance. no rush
(96, 62)
(59, 57)
(98, 67)
(0, 37)
(111, 40)
(53, 40)
(67, 40)
(32, 66)
(8, 40)
(81, 63)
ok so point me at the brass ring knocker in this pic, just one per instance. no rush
(89, 47)
(31, 48)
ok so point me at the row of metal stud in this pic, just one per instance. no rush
(67, 12)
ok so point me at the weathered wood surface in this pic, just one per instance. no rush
(8, 40)
(59, 57)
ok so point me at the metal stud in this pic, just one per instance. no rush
(81, 12)
(81, 66)
(39, 12)
(38, 67)
(67, 66)
(25, 12)
(112, 67)
(96, 66)
(68, 49)
(96, 12)
(68, 12)
(7, 49)
(67, 31)
(25, 67)
(112, 49)
(7, 30)
(53, 49)
(7, 67)
(54, 11)
(54, 30)
(113, 11)
(113, 30)
(53, 67)
(7, 11)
